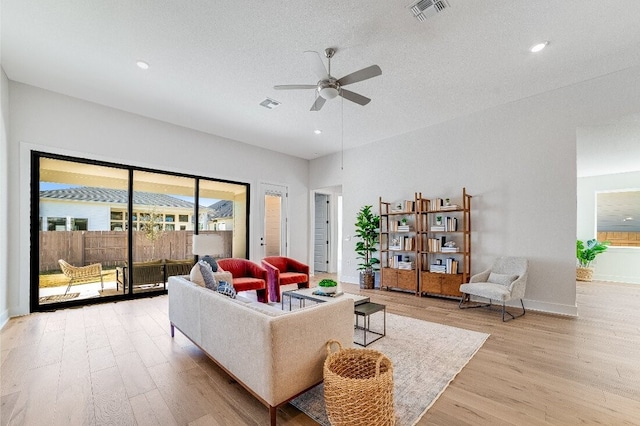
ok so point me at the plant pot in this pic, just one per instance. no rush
(328, 290)
(584, 273)
(367, 280)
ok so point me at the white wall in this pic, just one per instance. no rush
(4, 205)
(519, 163)
(50, 122)
(620, 264)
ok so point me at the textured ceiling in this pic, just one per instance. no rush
(212, 63)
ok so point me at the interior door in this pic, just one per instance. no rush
(273, 241)
(321, 233)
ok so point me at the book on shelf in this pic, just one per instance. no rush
(395, 247)
(437, 228)
(450, 207)
(403, 228)
(406, 265)
(439, 269)
(450, 249)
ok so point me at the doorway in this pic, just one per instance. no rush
(321, 232)
(273, 241)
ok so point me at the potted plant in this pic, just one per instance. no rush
(586, 253)
(328, 286)
(367, 231)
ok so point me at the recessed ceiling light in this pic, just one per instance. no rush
(538, 47)
(142, 65)
(317, 131)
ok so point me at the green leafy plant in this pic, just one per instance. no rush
(367, 231)
(327, 283)
(586, 253)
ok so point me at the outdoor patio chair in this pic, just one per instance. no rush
(81, 273)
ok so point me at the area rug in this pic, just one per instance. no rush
(58, 297)
(426, 358)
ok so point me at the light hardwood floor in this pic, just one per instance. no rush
(116, 364)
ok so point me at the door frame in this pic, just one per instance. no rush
(283, 189)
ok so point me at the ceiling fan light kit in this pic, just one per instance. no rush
(328, 87)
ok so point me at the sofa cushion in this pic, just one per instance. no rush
(292, 278)
(503, 279)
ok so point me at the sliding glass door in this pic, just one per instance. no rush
(114, 231)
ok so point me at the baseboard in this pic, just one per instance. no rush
(617, 278)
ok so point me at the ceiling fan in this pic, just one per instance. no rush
(329, 87)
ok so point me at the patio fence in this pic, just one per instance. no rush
(109, 248)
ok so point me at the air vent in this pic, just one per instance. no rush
(423, 9)
(270, 103)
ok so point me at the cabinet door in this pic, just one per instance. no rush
(389, 278)
(451, 284)
(430, 283)
(407, 280)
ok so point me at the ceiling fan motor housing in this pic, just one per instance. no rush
(329, 89)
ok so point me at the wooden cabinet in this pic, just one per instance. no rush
(443, 284)
(399, 279)
(444, 244)
(398, 245)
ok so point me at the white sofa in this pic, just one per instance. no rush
(275, 355)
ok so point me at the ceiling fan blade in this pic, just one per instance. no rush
(354, 97)
(318, 104)
(295, 86)
(363, 74)
(316, 64)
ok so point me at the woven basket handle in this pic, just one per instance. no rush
(378, 361)
(329, 346)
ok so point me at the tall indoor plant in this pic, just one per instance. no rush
(585, 254)
(367, 231)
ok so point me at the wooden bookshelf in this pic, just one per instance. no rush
(442, 268)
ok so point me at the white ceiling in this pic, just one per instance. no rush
(213, 62)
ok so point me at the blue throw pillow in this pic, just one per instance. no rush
(227, 289)
(211, 261)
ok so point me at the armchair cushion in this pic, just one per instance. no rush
(503, 279)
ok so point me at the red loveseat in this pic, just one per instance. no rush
(282, 271)
(247, 275)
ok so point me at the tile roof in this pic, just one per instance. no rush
(223, 208)
(119, 196)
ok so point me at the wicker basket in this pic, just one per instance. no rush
(584, 274)
(358, 387)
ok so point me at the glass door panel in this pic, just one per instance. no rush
(81, 244)
(162, 223)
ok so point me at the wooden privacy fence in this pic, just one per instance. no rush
(109, 248)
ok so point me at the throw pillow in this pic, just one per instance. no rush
(503, 279)
(207, 276)
(211, 261)
(202, 275)
(227, 289)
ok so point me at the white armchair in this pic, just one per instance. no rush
(505, 280)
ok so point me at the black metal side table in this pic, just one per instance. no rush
(365, 310)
